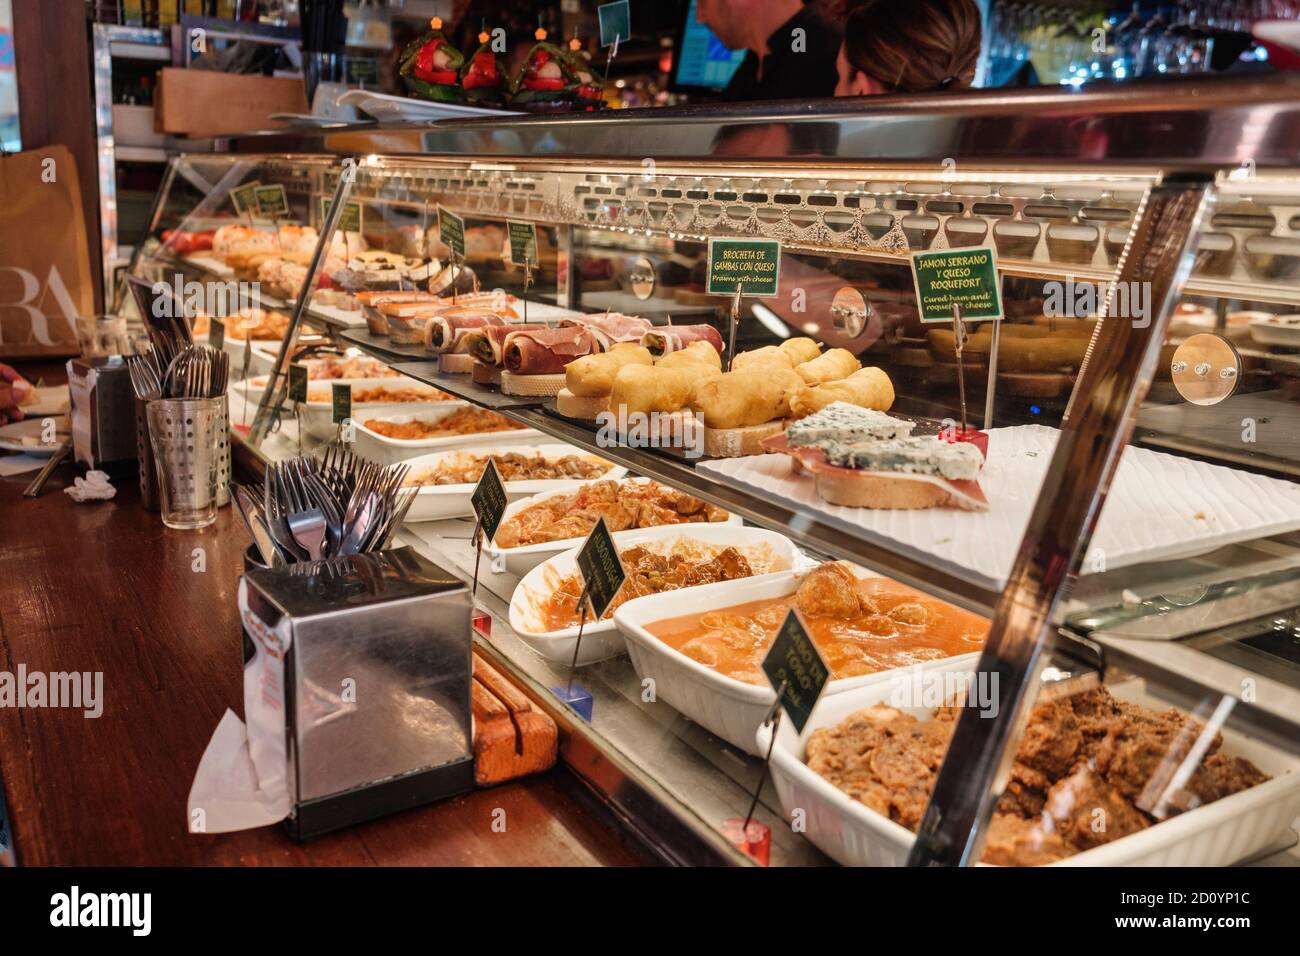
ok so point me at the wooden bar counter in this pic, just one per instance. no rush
(105, 587)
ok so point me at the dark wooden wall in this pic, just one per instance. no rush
(56, 98)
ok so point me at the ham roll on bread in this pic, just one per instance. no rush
(545, 351)
(673, 338)
(446, 332)
(486, 343)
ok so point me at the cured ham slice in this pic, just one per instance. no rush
(610, 328)
(546, 351)
(673, 338)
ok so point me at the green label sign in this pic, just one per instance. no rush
(361, 71)
(216, 333)
(796, 670)
(615, 22)
(451, 230)
(753, 264)
(601, 569)
(965, 277)
(298, 382)
(245, 198)
(341, 402)
(489, 500)
(272, 201)
(349, 221)
(523, 242)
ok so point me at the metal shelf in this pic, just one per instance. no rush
(259, 301)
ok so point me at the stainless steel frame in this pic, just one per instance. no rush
(277, 385)
(1176, 122)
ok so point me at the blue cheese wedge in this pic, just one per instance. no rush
(956, 461)
(842, 422)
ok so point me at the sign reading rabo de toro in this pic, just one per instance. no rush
(965, 277)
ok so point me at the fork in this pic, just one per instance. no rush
(306, 520)
(274, 509)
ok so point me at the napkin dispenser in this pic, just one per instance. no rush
(377, 676)
(103, 411)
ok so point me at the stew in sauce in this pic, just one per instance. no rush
(861, 626)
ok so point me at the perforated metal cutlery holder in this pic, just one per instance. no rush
(190, 441)
(144, 455)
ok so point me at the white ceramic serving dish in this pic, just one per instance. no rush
(253, 386)
(519, 561)
(436, 502)
(374, 363)
(376, 447)
(1282, 330)
(601, 639)
(318, 415)
(722, 705)
(1218, 834)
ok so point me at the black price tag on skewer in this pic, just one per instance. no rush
(451, 230)
(298, 382)
(272, 201)
(796, 670)
(523, 242)
(341, 403)
(489, 500)
(245, 198)
(601, 569)
(217, 333)
(489, 504)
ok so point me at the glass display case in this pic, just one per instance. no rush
(1114, 595)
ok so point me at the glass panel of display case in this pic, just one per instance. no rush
(1207, 582)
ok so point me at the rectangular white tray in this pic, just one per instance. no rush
(439, 502)
(1218, 834)
(1160, 507)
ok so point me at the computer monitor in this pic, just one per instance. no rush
(701, 62)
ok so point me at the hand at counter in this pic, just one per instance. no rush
(14, 390)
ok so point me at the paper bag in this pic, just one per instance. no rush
(45, 276)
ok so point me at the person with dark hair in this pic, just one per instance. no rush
(791, 47)
(907, 46)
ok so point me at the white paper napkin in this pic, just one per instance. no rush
(242, 780)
